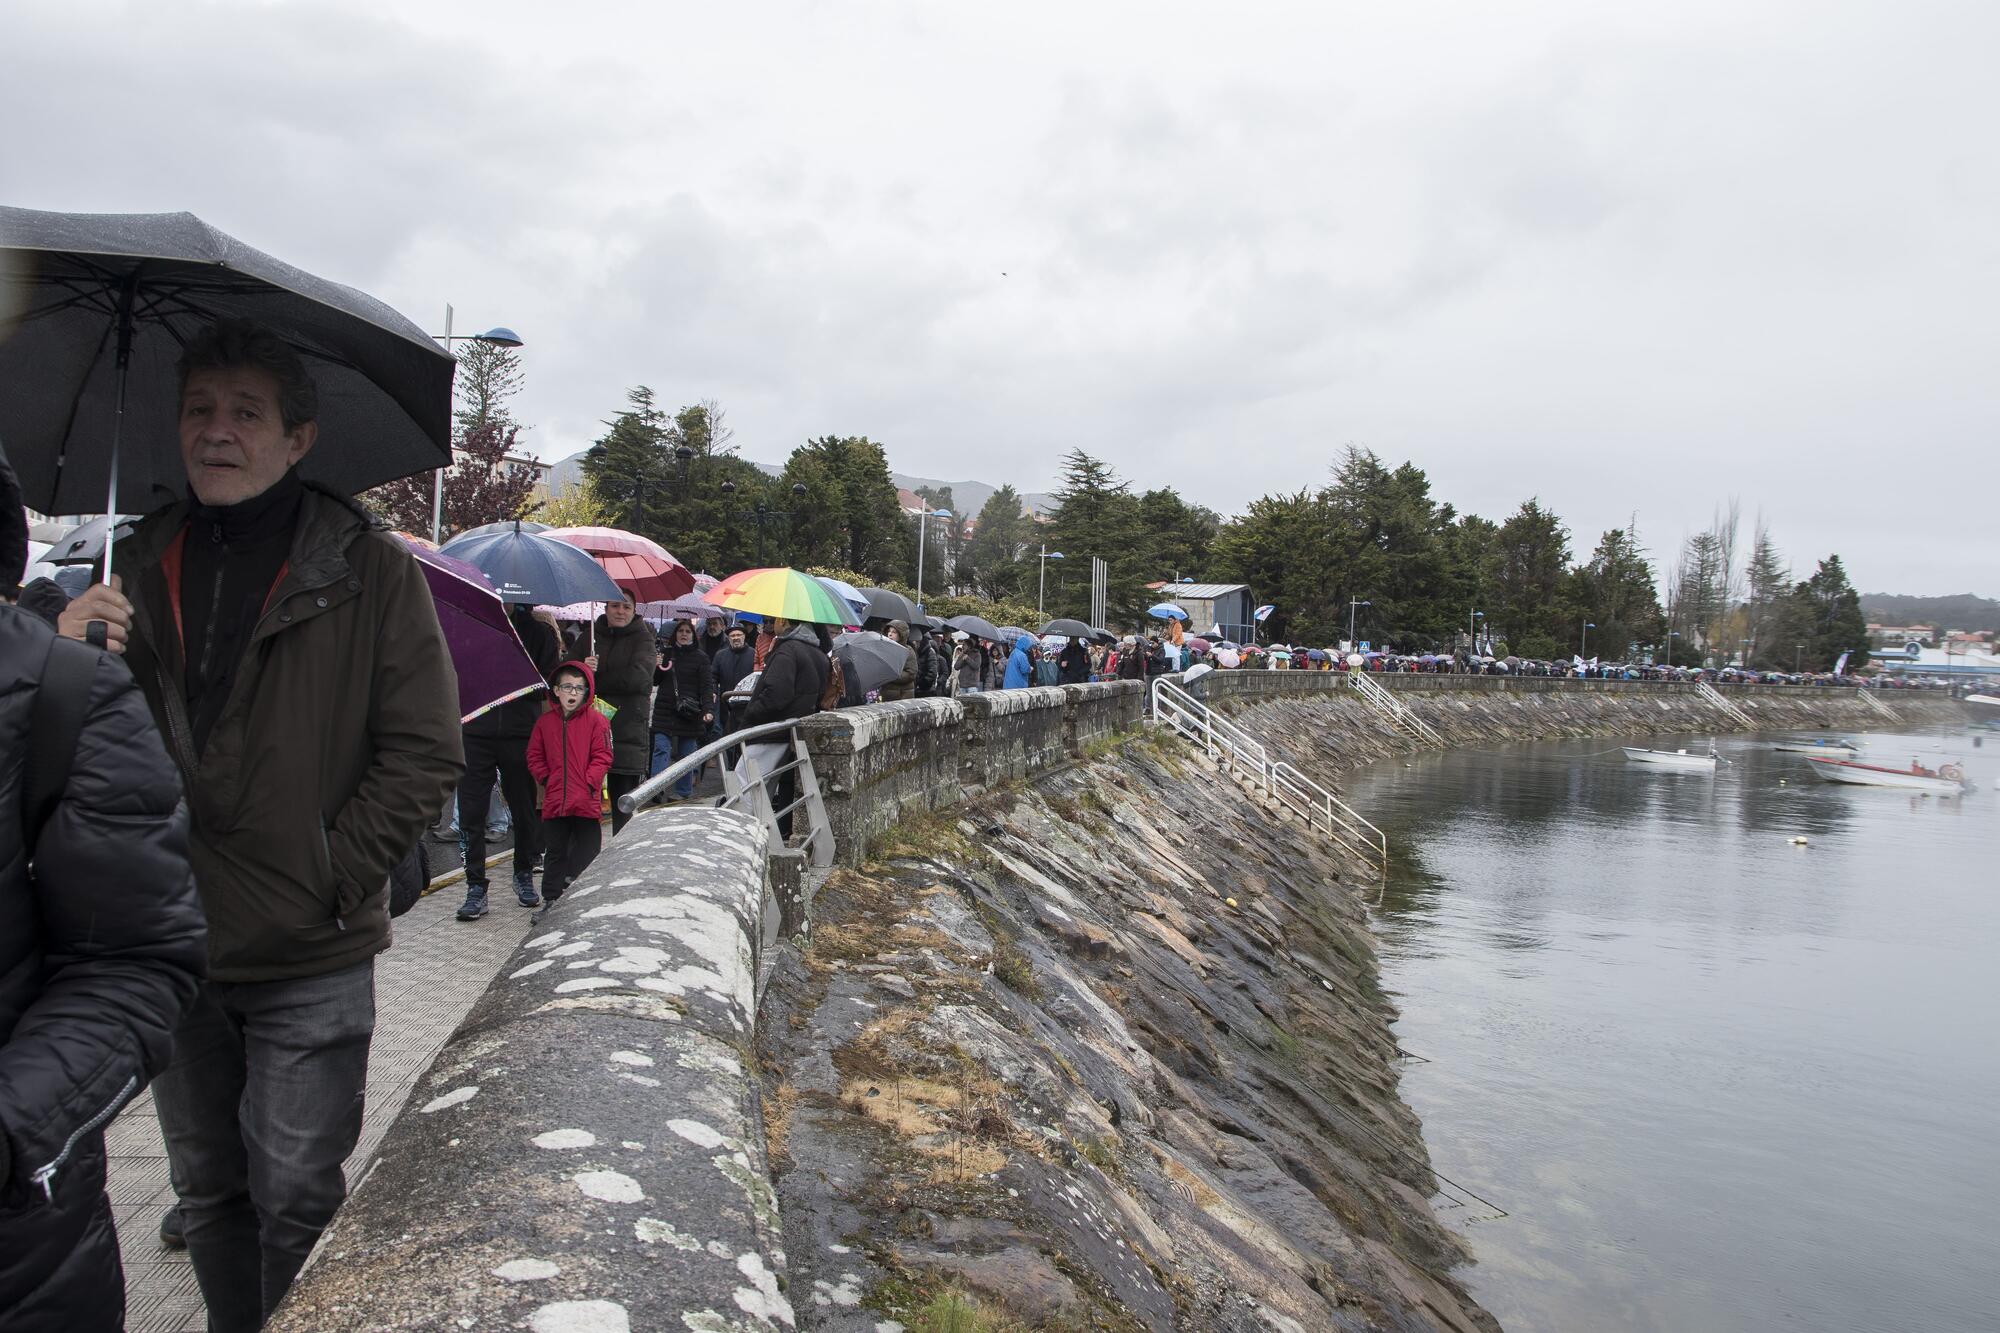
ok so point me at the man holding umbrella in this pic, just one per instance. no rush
(290, 654)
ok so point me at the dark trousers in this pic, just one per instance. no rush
(573, 843)
(509, 755)
(618, 786)
(260, 1105)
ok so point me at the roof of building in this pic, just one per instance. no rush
(1201, 592)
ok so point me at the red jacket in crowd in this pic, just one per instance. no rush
(569, 754)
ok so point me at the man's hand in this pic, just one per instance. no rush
(99, 602)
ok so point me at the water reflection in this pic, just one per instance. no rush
(1722, 1081)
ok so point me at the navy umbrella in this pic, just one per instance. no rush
(504, 525)
(96, 308)
(525, 567)
(886, 605)
(976, 627)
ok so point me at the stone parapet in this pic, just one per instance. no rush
(587, 1152)
(880, 762)
(1009, 734)
(1100, 710)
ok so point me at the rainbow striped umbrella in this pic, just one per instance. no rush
(779, 592)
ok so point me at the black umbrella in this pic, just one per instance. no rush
(1069, 629)
(1104, 636)
(886, 605)
(870, 660)
(977, 628)
(94, 311)
(528, 568)
(505, 525)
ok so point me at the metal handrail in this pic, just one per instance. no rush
(1714, 696)
(746, 785)
(1379, 696)
(1196, 721)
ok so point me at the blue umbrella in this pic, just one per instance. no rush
(533, 569)
(1166, 611)
(846, 592)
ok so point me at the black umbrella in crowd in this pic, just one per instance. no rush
(532, 569)
(94, 311)
(1103, 636)
(977, 628)
(886, 605)
(870, 660)
(1069, 629)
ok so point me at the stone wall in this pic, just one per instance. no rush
(588, 1151)
(1100, 711)
(1010, 734)
(881, 762)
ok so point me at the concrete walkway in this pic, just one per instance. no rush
(424, 986)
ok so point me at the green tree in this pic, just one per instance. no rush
(1095, 514)
(629, 465)
(1275, 547)
(1176, 536)
(483, 486)
(1614, 589)
(992, 566)
(1767, 582)
(1826, 617)
(1529, 557)
(849, 515)
(487, 376)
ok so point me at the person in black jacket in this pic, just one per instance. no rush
(1074, 664)
(713, 638)
(103, 948)
(685, 706)
(496, 743)
(732, 664)
(795, 674)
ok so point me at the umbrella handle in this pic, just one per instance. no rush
(131, 287)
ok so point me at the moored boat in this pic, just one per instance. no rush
(1817, 745)
(1945, 780)
(1671, 758)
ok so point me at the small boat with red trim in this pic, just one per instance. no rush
(1944, 780)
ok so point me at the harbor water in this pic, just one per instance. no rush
(1717, 1079)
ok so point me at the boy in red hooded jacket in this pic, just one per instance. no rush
(569, 752)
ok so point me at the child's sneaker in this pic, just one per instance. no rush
(524, 891)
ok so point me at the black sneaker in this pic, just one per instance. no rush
(474, 905)
(172, 1234)
(524, 891)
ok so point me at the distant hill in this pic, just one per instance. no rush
(967, 497)
(1958, 611)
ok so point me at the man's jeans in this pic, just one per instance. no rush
(260, 1106)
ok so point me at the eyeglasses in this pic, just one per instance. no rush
(569, 689)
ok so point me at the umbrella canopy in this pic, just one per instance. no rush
(637, 564)
(1009, 633)
(977, 628)
(1225, 643)
(509, 525)
(1166, 611)
(1228, 657)
(871, 660)
(84, 543)
(1103, 635)
(528, 567)
(692, 606)
(1316, 654)
(1069, 629)
(1197, 644)
(779, 592)
(95, 290)
(486, 654)
(886, 605)
(846, 592)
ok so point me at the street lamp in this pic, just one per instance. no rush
(1588, 626)
(922, 517)
(1352, 603)
(1798, 655)
(762, 513)
(497, 336)
(1472, 630)
(1042, 584)
(1672, 634)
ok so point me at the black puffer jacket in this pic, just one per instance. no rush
(685, 674)
(626, 658)
(99, 958)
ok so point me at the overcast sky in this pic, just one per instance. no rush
(1631, 259)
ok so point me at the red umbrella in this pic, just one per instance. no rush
(641, 566)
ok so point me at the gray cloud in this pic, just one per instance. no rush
(1628, 261)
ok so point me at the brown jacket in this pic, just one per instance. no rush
(337, 745)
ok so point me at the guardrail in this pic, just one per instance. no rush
(1395, 710)
(1708, 692)
(1222, 739)
(767, 755)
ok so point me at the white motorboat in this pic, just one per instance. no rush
(1944, 780)
(1671, 758)
(1840, 749)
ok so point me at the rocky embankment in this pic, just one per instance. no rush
(1104, 1051)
